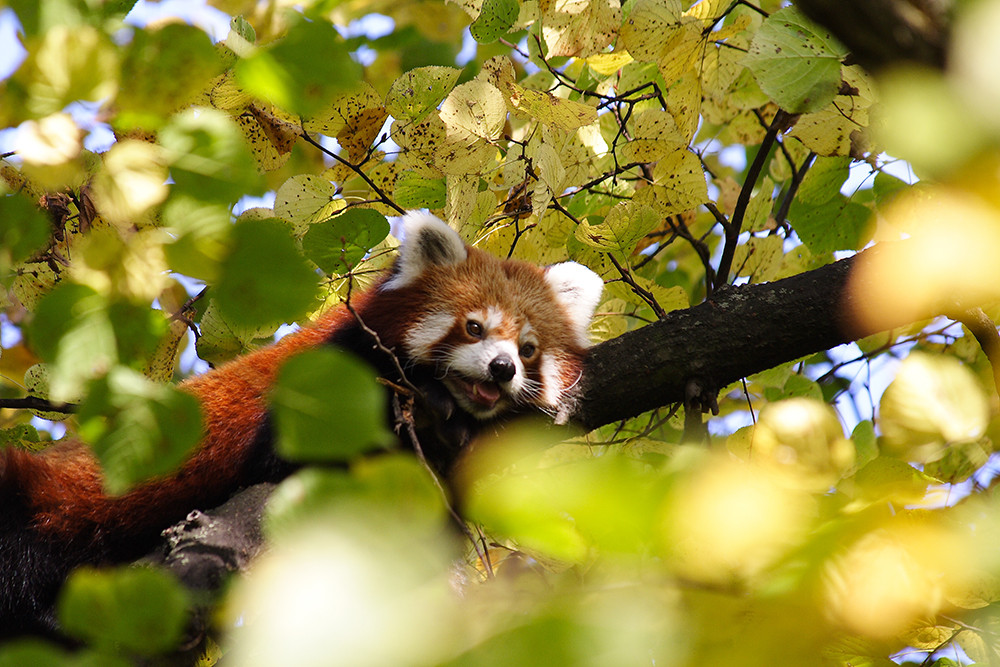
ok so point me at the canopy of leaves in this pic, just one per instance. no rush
(675, 148)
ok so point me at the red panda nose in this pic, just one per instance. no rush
(502, 368)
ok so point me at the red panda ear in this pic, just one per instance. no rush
(427, 242)
(578, 291)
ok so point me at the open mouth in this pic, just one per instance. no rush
(484, 393)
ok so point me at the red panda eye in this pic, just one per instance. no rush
(474, 328)
(527, 350)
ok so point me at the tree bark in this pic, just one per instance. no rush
(881, 33)
(739, 332)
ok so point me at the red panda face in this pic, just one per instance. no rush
(498, 334)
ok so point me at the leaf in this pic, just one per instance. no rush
(290, 75)
(25, 231)
(621, 230)
(264, 280)
(824, 180)
(474, 110)
(654, 136)
(139, 429)
(549, 109)
(165, 69)
(649, 21)
(200, 233)
(208, 157)
(759, 258)
(72, 63)
(328, 406)
(579, 28)
(679, 184)
(418, 91)
(304, 199)
(131, 183)
(933, 402)
(354, 118)
(796, 63)
(837, 224)
(221, 340)
(71, 330)
(337, 244)
(138, 609)
(414, 191)
(495, 19)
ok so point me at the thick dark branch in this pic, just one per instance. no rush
(738, 332)
(880, 33)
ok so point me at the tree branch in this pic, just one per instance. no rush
(738, 332)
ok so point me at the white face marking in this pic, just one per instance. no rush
(551, 381)
(428, 332)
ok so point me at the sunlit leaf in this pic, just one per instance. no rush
(419, 91)
(328, 407)
(264, 279)
(140, 609)
(138, 429)
(796, 62)
(337, 245)
(495, 19)
(290, 75)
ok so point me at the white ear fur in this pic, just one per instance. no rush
(578, 290)
(427, 241)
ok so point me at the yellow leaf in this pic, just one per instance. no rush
(549, 109)
(678, 184)
(304, 199)
(474, 110)
(625, 225)
(759, 258)
(609, 63)
(643, 32)
(354, 119)
(579, 28)
(131, 182)
(72, 63)
(654, 136)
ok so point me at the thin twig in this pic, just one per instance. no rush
(735, 226)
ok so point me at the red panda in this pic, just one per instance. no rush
(479, 337)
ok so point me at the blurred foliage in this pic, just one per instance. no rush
(643, 139)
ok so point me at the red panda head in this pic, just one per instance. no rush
(499, 333)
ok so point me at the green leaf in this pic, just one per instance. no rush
(71, 329)
(328, 406)
(824, 180)
(25, 231)
(209, 158)
(165, 69)
(38, 653)
(865, 442)
(294, 76)
(138, 428)
(626, 224)
(415, 191)
(495, 20)
(396, 483)
(264, 280)
(418, 92)
(838, 224)
(140, 610)
(200, 232)
(795, 62)
(338, 244)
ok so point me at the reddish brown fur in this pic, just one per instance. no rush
(60, 515)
